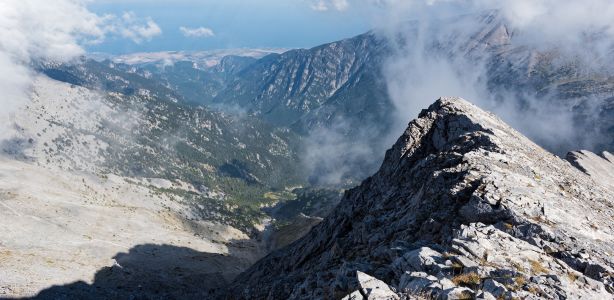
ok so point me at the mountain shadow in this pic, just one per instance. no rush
(155, 272)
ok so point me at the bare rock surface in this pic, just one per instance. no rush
(68, 230)
(463, 207)
(599, 167)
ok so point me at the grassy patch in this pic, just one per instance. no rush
(572, 276)
(533, 290)
(520, 280)
(456, 266)
(465, 295)
(279, 196)
(467, 279)
(518, 267)
(537, 267)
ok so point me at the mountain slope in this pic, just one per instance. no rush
(225, 160)
(60, 227)
(283, 88)
(196, 84)
(350, 80)
(90, 170)
(107, 77)
(91, 173)
(462, 205)
(599, 167)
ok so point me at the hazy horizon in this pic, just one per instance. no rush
(210, 25)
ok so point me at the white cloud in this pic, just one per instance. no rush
(39, 31)
(416, 74)
(553, 20)
(319, 6)
(325, 5)
(34, 30)
(197, 32)
(341, 4)
(130, 27)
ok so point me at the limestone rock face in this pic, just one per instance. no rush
(599, 167)
(373, 288)
(463, 206)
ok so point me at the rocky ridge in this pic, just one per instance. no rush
(463, 207)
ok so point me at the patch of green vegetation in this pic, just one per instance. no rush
(313, 202)
(238, 165)
(280, 196)
(243, 159)
(218, 210)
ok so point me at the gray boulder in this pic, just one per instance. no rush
(494, 288)
(374, 289)
(459, 293)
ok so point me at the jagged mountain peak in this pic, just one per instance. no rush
(450, 117)
(462, 205)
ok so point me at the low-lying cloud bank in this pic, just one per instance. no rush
(33, 31)
(449, 46)
(491, 52)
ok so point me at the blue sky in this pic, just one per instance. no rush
(235, 23)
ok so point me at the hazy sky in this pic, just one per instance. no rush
(215, 24)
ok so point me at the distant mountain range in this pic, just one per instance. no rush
(202, 59)
(280, 87)
(341, 88)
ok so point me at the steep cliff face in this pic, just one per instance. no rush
(282, 88)
(463, 206)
